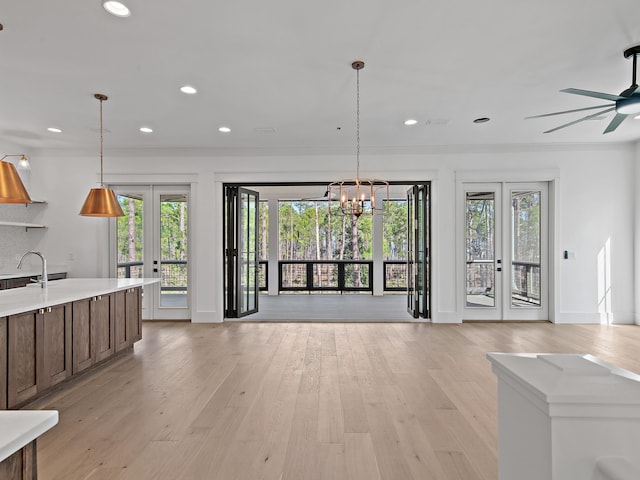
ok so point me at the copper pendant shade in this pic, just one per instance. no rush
(11, 187)
(102, 201)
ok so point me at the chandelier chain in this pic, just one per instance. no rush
(357, 125)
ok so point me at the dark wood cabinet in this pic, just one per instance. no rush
(93, 331)
(123, 339)
(134, 313)
(83, 349)
(22, 465)
(3, 363)
(38, 352)
(128, 317)
(41, 348)
(18, 282)
(102, 314)
(24, 338)
(56, 345)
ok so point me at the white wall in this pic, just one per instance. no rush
(636, 294)
(596, 204)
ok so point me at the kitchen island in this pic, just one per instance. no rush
(48, 335)
(18, 434)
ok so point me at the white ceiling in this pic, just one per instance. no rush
(286, 64)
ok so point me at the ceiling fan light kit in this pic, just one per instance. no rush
(627, 103)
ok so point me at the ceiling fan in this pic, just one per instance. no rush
(322, 198)
(627, 103)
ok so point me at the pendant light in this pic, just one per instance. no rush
(357, 196)
(102, 201)
(11, 187)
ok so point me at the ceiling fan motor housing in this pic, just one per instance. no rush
(629, 105)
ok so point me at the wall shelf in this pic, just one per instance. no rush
(26, 225)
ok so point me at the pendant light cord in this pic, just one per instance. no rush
(101, 144)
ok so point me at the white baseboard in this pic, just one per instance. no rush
(447, 317)
(206, 317)
(577, 318)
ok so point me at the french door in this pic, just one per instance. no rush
(152, 240)
(506, 251)
(241, 251)
(418, 235)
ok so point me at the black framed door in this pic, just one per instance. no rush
(241, 251)
(418, 245)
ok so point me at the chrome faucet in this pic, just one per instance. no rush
(45, 276)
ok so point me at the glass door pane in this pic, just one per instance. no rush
(526, 249)
(247, 233)
(130, 236)
(528, 245)
(480, 246)
(412, 306)
(420, 249)
(173, 221)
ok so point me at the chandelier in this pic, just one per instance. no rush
(357, 196)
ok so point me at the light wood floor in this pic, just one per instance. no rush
(303, 401)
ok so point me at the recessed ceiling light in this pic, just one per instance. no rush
(481, 120)
(188, 89)
(146, 129)
(117, 9)
(54, 130)
(224, 129)
(411, 121)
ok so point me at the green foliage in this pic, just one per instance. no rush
(308, 231)
(394, 225)
(129, 230)
(173, 239)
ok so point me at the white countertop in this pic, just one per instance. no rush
(20, 427)
(33, 297)
(570, 379)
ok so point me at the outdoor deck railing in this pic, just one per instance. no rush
(325, 275)
(525, 286)
(174, 273)
(295, 275)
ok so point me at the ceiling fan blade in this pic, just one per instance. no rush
(567, 111)
(617, 120)
(589, 93)
(581, 119)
